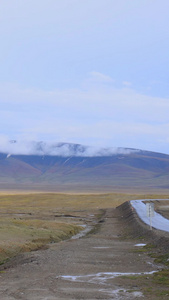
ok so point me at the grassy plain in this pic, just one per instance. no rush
(30, 221)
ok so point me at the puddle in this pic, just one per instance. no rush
(82, 233)
(153, 265)
(102, 277)
(111, 292)
(137, 294)
(140, 245)
(101, 247)
(120, 293)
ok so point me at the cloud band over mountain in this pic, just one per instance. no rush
(57, 149)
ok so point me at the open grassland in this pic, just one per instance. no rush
(45, 202)
(31, 221)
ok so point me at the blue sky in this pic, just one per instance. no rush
(93, 72)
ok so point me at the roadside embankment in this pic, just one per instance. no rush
(136, 228)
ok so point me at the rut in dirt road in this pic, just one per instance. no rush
(86, 268)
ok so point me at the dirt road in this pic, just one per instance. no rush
(86, 268)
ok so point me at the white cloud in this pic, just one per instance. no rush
(127, 83)
(99, 77)
(95, 102)
(25, 147)
(97, 115)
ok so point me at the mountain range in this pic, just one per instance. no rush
(74, 167)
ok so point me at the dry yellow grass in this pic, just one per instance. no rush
(44, 202)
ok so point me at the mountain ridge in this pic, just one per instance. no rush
(120, 168)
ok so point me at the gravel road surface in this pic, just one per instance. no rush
(85, 268)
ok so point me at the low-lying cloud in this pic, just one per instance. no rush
(58, 149)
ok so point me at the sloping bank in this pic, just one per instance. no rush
(19, 236)
(134, 227)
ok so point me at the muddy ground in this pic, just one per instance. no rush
(92, 267)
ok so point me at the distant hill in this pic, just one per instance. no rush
(71, 167)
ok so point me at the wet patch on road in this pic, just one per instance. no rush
(101, 277)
